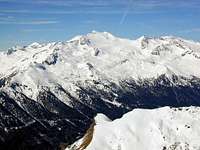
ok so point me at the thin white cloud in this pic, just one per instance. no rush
(39, 22)
(74, 3)
(59, 11)
(40, 30)
(90, 22)
(6, 18)
(15, 11)
(36, 22)
(126, 12)
(69, 12)
(69, 3)
(100, 7)
(145, 4)
(14, 20)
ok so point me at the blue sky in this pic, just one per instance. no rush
(26, 21)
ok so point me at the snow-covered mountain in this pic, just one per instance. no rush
(101, 55)
(158, 129)
(54, 90)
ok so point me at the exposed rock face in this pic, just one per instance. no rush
(49, 93)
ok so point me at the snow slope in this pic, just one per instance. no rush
(59, 87)
(158, 129)
(98, 56)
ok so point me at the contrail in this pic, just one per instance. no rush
(126, 12)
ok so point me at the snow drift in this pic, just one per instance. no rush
(159, 129)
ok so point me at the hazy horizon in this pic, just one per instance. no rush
(26, 21)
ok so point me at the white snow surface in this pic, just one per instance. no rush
(158, 129)
(98, 55)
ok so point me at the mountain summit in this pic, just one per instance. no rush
(54, 90)
(114, 57)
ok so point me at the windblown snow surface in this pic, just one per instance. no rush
(158, 129)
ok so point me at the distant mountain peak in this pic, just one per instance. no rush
(119, 58)
(57, 88)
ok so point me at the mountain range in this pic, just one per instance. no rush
(50, 93)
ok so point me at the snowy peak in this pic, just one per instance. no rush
(102, 55)
(101, 118)
(158, 129)
(57, 88)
